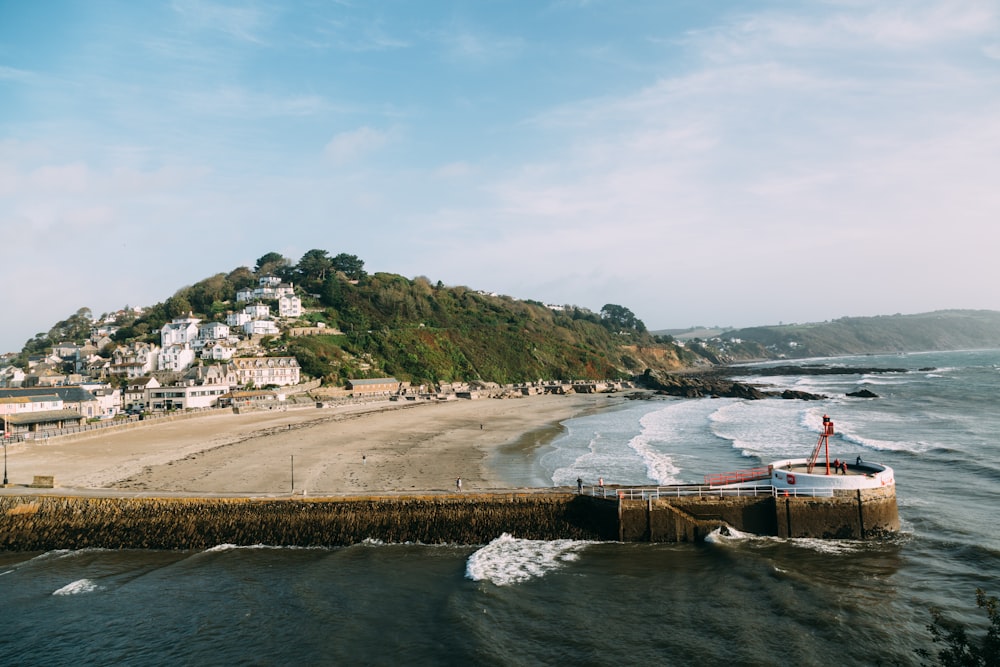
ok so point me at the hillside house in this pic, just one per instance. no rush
(134, 360)
(289, 306)
(266, 371)
(237, 319)
(213, 331)
(219, 351)
(181, 331)
(175, 358)
(261, 328)
(257, 311)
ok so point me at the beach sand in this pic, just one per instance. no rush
(370, 448)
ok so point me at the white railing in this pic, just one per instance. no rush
(698, 491)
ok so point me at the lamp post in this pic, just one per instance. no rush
(6, 434)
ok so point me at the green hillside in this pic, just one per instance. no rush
(939, 330)
(384, 324)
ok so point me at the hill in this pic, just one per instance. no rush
(374, 325)
(939, 330)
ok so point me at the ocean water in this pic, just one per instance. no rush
(733, 600)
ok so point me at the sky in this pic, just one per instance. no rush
(700, 163)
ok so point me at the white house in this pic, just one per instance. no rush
(268, 287)
(261, 328)
(181, 331)
(264, 371)
(11, 376)
(237, 319)
(185, 397)
(135, 360)
(213, 331)
(175, 358)
(289, 306)
(219, 351)
(257, 311)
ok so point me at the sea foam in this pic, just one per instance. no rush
(508, 560)
(77, 587)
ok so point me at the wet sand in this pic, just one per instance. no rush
(386, 446)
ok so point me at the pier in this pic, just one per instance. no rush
(37, 520)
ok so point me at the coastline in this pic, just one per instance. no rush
(377, 447)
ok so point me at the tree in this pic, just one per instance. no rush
(620, 318)
(74, 328)
(350, 265)
(272, 262)
(314, 267)
(177, 306)
(960, 650)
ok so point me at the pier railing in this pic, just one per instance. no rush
(701, 491)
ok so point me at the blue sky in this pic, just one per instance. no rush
(702, 163)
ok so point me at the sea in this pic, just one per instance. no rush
(736, 599)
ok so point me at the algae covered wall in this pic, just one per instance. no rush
(853, 514)
(42, 523)
(690, 519)
(47, 522)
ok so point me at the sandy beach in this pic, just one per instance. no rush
(386, 446)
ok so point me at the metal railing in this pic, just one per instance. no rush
(700, 491)
(739, 476)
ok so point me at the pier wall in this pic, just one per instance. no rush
(46, 522)
(852, 514)
(37, 522)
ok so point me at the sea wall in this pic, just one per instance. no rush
(36, 522)
(691, 518)
(851, 514)
(854, 514)
(42, 523)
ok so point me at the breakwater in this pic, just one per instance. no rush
(45, 522)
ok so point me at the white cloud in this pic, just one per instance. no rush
(354, 145)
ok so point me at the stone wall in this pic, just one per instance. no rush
(691, 518)
(46, 522)
(852, 514)
(42, 523)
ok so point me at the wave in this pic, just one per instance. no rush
(508, 560)
(725, 534)
(78, 587)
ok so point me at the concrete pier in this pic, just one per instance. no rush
(47, 521)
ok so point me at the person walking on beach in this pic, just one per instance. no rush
(579, 485)
(458, 484)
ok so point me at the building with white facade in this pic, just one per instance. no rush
(289, 305)
(265, 371)
(175, 358)
(261, 328)
(219, 351)
(257, 311)
(181, 331)
(134, 360)
(237, 319)
(213, 331)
